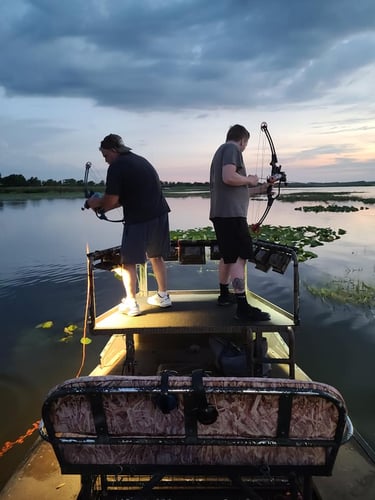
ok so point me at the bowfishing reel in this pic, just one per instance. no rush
(278, 176)
(90, 194)
(98, 211)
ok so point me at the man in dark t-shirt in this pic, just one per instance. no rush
(133, 183)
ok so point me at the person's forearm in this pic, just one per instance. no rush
(108, 205)
(235, 179)
(259, 189)
(104, 204)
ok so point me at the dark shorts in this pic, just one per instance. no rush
(233, 238)
(145, 239)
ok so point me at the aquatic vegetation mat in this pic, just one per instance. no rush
(325, 197)
(330, 208)
(301, 238)
(345, 291)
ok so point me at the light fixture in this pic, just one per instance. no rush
(192, 251)
(271, 255)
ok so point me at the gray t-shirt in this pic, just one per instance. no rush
(227, 201)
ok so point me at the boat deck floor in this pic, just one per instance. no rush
(194, 311)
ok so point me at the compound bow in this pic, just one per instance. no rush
(277, 176)
(89, 193)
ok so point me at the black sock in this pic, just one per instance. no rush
(241, 301)
(224, 289)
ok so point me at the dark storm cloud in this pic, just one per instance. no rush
(161, 54)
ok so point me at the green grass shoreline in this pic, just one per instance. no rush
(77, 192)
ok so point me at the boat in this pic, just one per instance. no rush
(189, 403)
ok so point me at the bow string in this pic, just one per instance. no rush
(277, 177)
(89, 193)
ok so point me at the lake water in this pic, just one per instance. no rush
(43, 278)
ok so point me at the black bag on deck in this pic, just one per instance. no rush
(231, 360)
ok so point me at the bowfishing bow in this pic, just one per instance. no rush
(89, 194)
(277, 176)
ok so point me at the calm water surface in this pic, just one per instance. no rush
(43, 278)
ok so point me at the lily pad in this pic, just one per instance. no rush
(70, 329)
(46, 324)
(65, 339)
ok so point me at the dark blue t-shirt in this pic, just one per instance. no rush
(138, 186)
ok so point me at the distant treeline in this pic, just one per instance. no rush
(20, 181)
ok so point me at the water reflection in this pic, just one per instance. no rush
(43, 277)
(13, 204)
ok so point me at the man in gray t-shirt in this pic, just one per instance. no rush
(230, 188)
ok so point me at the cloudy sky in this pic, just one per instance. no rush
(171, 76)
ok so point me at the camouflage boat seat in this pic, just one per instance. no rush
(156, 433)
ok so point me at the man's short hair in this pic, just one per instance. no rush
(237, 132)
(115, 142)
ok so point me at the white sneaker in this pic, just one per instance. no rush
(129, 307)
(157, 300)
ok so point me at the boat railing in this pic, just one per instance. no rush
(195, 311)
(266, 255)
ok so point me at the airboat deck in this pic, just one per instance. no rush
(184, 430)
(158, 432)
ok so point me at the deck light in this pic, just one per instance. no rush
(269, 256)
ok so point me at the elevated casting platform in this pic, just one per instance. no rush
(195, 312)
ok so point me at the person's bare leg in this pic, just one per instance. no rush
(160, 271)
(129, 279)
(237, 273)
(130, 306)
(161, 298)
